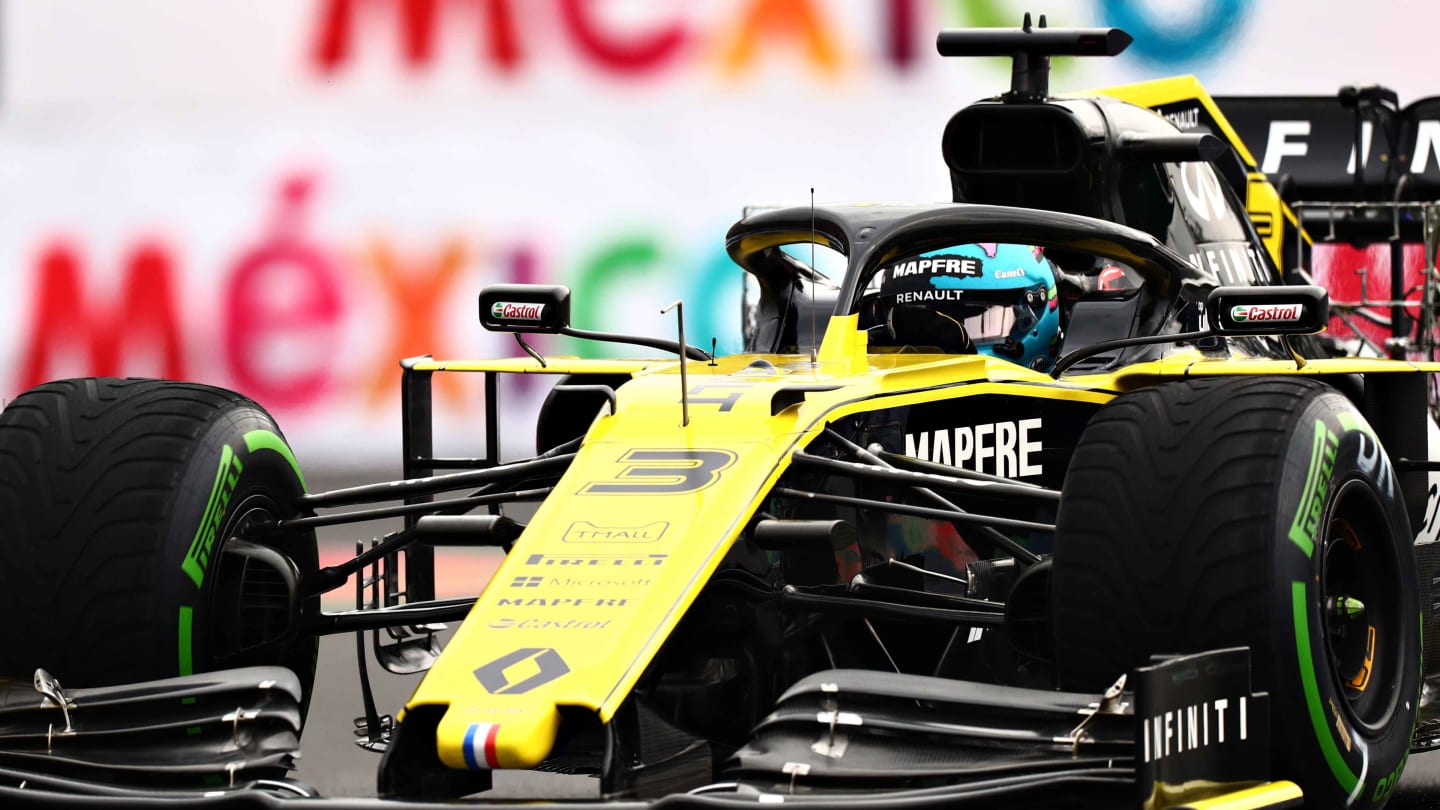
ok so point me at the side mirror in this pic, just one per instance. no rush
(536, 308)
(1288, 310)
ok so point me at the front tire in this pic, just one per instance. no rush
(1258, 511)
(119, 499)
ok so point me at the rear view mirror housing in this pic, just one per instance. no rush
(534, 308)
(1286, 310)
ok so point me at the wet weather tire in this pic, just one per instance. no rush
(116, 499)
(1257, 511)
(566, 415)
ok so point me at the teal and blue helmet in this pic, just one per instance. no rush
(990, 298)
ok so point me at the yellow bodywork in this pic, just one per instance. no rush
(617, 571)
(1268, 795)
(611, 562)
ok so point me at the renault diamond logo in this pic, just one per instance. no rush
(520, 671)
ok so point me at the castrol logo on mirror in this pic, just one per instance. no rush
(1281, 313)
(507, 311)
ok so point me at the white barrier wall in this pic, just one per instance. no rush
(286, 196)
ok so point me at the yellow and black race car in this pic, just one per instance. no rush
(1049, 495)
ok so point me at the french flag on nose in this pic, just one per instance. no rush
(480, 745)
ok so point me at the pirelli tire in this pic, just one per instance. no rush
(1257, 511)
(571, 407)
(118, 500)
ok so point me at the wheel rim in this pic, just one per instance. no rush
(1360, 607)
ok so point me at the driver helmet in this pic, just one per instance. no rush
(990, 298)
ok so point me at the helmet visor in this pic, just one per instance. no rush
(988, 316)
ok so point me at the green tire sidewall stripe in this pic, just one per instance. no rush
(187, 650)
(255, 440)
(1335, 756)
(268, 440)
(1322, 437)
(1299, 599)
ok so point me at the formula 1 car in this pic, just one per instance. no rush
(1050, 495)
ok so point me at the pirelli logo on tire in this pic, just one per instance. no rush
(226, 476)
(1317, 485)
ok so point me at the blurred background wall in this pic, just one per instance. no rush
(286, 196)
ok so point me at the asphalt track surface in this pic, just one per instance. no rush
(333, 764)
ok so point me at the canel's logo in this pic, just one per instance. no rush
(516, 312)
(1280, 313)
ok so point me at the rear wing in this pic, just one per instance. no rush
(1306, 144)
(1307, 147)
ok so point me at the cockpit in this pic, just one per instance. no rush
(1008, 301)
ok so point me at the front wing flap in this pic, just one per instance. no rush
(214, 729)
(839, 738)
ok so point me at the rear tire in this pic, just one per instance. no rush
(1218, 512)
(118, 498)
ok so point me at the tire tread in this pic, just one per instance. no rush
(86, 467)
